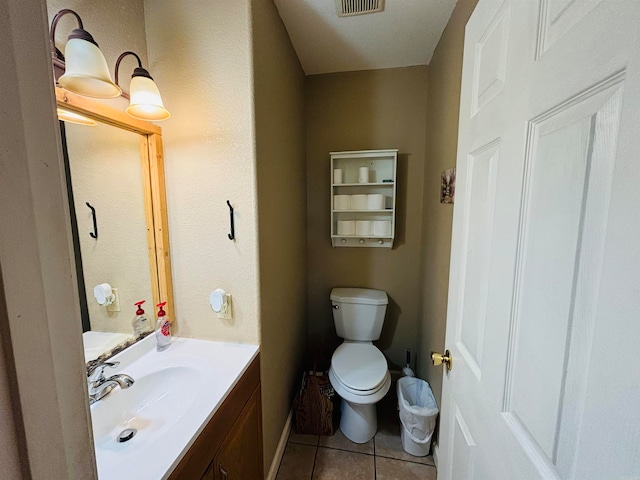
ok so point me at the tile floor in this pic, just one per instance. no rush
(328, 458)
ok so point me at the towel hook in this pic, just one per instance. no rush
(93, 234)
(232, 235)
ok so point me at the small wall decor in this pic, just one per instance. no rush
(448, 185)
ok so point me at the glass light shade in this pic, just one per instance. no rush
(146, 102)
(72, 117)
(86, 71)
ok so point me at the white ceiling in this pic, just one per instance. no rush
(405, 33)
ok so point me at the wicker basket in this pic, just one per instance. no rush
(316, 404)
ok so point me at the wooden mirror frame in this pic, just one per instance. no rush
(153, 185)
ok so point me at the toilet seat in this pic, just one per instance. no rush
(360, 367)
(360, 397)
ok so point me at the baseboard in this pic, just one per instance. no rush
(282, 444)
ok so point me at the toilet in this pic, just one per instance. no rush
(359, 371)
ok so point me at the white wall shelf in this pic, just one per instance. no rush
(362, 226)
(386, 210)
(377, 184)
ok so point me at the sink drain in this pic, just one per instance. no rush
(126, 435)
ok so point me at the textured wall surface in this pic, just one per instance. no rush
(206, 83)
(42, 319)
(445, 71)
(281, 167)
(106, 172)
(363, 111)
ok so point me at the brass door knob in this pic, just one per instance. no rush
(439, 359)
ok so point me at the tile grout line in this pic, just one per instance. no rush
(375, 459)
(375, 455)
(315, 457)
(346, 450)
(389, 456)
(406, 460)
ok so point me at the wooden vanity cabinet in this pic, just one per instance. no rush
(230, 446)
(240, 456)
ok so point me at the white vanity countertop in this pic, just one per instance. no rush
(175, 394)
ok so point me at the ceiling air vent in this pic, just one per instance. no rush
(347, 8)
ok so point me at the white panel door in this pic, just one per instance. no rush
(544, 297)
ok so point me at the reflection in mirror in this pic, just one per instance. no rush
(105, 184)
(116, 169)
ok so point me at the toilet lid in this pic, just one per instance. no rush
(360, 366)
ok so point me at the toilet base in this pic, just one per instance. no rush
(359, 423)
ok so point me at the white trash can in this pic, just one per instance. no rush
(418, 412)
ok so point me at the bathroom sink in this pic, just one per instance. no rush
(151, 406)
(174, 394)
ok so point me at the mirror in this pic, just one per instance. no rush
(104, 181)
(118, 214)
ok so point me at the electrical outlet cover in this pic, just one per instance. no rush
(115, 305)
(227, 310)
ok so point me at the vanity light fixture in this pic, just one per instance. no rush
(85, 68)
(145, 101)
(73, 117)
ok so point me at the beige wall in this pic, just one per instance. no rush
(106, 172)
(235, 90)
(42, 316)
(280, 161)
(209, 145)
(443, 101)
(361, 111)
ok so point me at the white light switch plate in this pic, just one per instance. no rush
(227, 310)
(115, 305)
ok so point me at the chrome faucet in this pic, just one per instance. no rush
(99, 386)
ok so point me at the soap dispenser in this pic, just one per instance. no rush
(140, 323)
(163, 329)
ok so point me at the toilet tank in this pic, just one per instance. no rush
(358, 313)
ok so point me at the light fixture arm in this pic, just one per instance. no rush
(55, 53)
(121, 57)
(79, 32)
(82, 69)
(63, 12)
